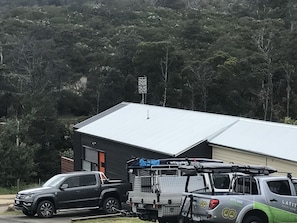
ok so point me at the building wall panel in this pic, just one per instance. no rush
(67, 164)
(237, 156)
(242, 157)
(283, 166)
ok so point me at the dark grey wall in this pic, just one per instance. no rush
(117, 154)
(77, 155)
(202, 150)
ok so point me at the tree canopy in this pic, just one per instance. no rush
(79, 57)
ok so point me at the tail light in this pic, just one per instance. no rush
(213, 203)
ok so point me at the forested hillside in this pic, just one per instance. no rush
(65, 58)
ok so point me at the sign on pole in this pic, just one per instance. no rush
(142, 87)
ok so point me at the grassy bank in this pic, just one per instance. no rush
(8, 190)
(14, 190)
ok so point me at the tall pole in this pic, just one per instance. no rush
(17, 136)
(1, 54)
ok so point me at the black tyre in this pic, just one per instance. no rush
(184, 220)
(45, 209)
(168, 220)
(109, 204)
(162, 220)
(28, 213)
(253, 219)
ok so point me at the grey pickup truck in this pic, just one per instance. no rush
(255, 197)
(75, 190)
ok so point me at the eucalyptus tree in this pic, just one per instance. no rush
(271, 38)
(16, 153)
(45, 130)
(161, 64)
(288, 57)
(173, 4)
(197, 78)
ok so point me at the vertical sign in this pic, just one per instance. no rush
(142, 87)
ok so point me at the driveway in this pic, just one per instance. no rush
(62, 217)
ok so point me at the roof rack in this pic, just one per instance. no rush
(227, 168)
(140, 163)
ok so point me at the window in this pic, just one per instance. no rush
(280, 187)
(246, 185)
(72, 182)
(86, 165)
(54, 181)
(169, 172)
(87, 180)
(221, 181)
(295, 185)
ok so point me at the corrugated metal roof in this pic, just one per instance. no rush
(174, 131)
(165, 130)
(262, 137)
(100, 115)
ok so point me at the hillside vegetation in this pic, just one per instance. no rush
(61, 58)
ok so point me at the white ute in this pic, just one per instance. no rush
(158, 185)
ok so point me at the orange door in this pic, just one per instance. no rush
(101, 161)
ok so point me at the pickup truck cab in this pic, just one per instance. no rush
(75, 190)
(252, 198)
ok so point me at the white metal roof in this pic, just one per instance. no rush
(174, 131)
(165, 130)
(262, 137)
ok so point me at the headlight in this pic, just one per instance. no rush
(27, 196)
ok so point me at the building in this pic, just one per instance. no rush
(107, 140)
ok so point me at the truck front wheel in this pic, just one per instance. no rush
(28, 213)
(109, 204)
(253, 219)
(45, 209)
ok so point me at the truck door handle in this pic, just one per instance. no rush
(273, 200)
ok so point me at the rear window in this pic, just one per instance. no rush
(87, 180)
(221, 181)
(245, 185)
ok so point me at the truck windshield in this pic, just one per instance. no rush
(54, 181)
